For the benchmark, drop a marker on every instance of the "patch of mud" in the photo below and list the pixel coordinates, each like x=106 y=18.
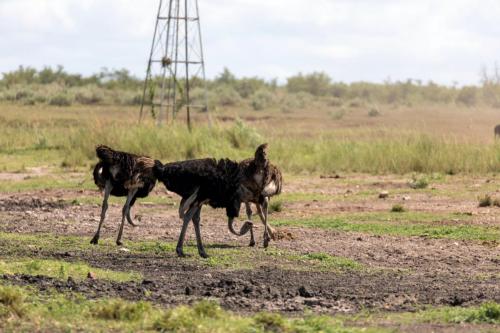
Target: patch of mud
x=169 y=282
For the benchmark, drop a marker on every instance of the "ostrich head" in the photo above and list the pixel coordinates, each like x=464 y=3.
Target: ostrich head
x=261 y=155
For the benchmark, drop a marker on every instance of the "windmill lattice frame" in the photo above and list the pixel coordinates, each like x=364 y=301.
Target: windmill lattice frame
x=176 y=60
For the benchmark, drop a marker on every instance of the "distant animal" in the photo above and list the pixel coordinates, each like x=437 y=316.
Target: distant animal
x=497 y=131
x=122 y=174
x=261 y=180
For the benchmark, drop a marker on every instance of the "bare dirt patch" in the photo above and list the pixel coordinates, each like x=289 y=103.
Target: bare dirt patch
x=400 y=273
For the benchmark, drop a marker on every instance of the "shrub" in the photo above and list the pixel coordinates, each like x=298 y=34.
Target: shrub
x=89 y=95
x=226 y=96
x=317 y=83
x=418 y=183
x=292 y=102
x=60 y=100
x=261 y=100
x=355 y=103
x=246 y=87
x=467 y=96
x=373 y=112
x=334 y=102
x=485 y=201
x=23 y=94
x=397 y=208
x=243 y=136
x=338 y=114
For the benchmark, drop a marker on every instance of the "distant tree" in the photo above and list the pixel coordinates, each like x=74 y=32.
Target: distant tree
x=226 y=77
x=317 y=83
x=467 y=96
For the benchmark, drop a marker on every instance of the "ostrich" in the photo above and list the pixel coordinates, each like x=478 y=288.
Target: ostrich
x=220 y=184
x=261 y=180
x=199 y=182
x=497 y=131
x=122 y=174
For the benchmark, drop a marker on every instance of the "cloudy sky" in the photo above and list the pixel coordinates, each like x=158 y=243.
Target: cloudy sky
x=373 y=40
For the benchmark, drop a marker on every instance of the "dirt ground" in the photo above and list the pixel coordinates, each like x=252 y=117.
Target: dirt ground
x=403 y=273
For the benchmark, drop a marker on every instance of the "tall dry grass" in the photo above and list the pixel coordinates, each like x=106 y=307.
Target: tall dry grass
x=73 y=139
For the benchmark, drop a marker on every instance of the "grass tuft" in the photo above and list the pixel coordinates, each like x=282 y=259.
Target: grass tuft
x=275 y=206
x=485 y=201
x=401 y=224
x=270 y=322
x=62 y=270
x=397 y=208
x=418 y=183
x=11 y=301
x=118 y=309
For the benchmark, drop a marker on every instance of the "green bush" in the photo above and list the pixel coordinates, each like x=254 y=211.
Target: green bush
x=467 y=96
x=60 y=100
x=291 y=102
x=334 y=102
x=397 y=208
x=241 y=135
x=246 y=87
x=316 y=84
x=89 y=95
x=226 y=96
x=374 y=112
x=261 y=99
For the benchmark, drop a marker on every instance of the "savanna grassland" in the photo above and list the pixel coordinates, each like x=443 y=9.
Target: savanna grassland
x=389 y=220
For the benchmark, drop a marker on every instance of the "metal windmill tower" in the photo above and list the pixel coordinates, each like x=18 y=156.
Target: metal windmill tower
x=175 y=63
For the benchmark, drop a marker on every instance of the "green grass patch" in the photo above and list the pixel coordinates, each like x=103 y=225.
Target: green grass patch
x=47 y=183
x=401 y=224
x=28 y=309
x=486 y=313
x=52 y=311
x=62 y=270
x=117 y=309
x=207 y=316
x=11 y=301
x=246 y=258
x=330 y=263
x=57 y=312
x=228 y=257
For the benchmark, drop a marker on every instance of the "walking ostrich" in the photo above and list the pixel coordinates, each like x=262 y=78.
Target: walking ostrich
x=221 y=184
x=261 y=180
x=122 y=174
x=497 y=131
x=199 y=182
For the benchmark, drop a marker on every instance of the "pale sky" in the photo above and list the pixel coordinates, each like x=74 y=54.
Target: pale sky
x=351 y=40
